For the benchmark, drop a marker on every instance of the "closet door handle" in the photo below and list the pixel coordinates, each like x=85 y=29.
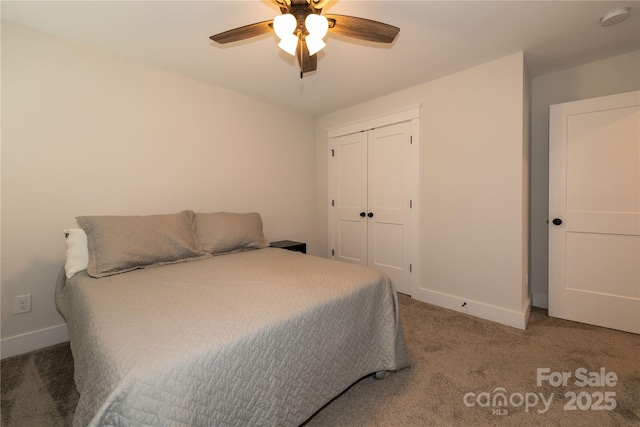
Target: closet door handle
x=362 y=214
x=370 y=214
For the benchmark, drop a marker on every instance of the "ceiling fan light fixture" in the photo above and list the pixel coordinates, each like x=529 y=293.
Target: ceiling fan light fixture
x=301 y=29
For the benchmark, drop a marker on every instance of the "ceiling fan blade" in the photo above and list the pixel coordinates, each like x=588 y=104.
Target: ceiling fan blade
x=307 y=62
x=242 y=33
x=363 y=29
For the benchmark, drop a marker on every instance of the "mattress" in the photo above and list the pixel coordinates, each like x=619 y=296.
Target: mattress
x=263 y=337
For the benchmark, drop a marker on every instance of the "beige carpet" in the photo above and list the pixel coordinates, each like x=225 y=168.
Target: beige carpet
x=460 y=364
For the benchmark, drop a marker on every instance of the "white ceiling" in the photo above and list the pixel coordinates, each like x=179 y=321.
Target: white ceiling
x=436 y=38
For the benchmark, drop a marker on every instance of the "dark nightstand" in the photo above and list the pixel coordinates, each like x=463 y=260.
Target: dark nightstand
x=290 y=245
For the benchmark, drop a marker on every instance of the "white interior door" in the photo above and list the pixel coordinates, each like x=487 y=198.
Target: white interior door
x=594 y=211
x=389 y=226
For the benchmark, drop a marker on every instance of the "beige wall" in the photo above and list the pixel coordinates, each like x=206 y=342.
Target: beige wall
x=473 y=194
x=86 y=133
x=607 y=77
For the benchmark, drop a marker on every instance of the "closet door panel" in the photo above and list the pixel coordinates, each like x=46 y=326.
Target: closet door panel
x=389 y=237
x=350 y=228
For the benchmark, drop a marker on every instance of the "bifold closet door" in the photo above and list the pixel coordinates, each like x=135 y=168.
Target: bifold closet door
x=372 y=208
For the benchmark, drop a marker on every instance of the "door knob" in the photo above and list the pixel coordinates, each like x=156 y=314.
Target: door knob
x=362 y=214
x=557 y=221
x=370 y=214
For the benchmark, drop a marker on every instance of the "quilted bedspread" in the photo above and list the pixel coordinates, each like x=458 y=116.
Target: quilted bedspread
x=264 y=337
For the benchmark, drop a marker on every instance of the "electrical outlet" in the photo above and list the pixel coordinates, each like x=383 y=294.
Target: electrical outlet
x=22 y=304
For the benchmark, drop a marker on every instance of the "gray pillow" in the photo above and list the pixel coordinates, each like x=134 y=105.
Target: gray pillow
x=122 y=243
x=223 y=232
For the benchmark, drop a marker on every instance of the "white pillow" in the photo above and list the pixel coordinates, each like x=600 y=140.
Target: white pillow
x=77 y=252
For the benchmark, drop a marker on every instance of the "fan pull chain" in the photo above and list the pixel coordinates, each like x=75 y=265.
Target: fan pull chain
x=301 y=54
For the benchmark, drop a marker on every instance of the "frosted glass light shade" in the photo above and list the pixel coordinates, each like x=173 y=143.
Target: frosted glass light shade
x=317 y=25
x=314 y=44
x=289 y=44
x=284 y=25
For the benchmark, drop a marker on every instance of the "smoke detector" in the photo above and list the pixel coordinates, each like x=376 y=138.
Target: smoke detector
x=615 y=16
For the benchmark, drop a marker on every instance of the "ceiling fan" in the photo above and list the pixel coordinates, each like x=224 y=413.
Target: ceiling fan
x=301 y=29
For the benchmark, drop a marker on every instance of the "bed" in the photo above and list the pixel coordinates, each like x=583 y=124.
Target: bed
x=251 y=335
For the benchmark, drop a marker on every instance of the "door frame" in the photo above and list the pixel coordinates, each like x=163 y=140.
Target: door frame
x=409 y=114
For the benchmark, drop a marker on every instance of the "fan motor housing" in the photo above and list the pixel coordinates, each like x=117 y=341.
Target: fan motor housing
x=300 y=12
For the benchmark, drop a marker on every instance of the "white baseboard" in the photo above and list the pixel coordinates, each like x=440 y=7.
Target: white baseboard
x=35 y=340
x=540 y=300
x=515 y=319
